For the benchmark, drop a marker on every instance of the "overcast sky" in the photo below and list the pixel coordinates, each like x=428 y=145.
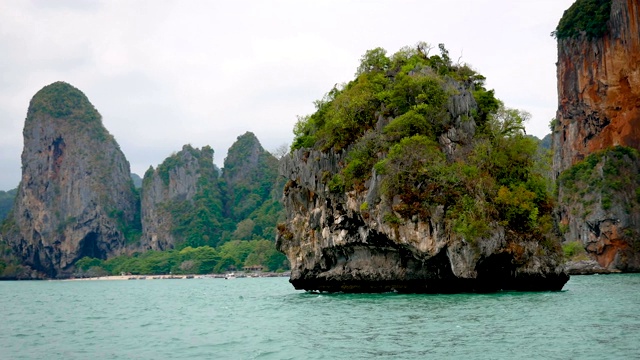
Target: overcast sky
x=167 y=73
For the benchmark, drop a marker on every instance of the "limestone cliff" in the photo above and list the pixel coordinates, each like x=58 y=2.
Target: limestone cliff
x=252 y=190
x=599 y=109
x=185 y=201
x=76 y=197
x=250 y=172
x=411 y=204
x=173 y=194
x=338 y=242
x=599 y=88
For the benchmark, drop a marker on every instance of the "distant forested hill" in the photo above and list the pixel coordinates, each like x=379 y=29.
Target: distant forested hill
x=6 y=202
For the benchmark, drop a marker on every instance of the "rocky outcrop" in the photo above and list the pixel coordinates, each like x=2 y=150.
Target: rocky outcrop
x=599 y=110
x=76 y=197
x=356 y=242
x=599 y=206
x=250 y=173
x=168 y=192
x=587 y=267
x=252 y=190
x=338 y=242
x=186 y=202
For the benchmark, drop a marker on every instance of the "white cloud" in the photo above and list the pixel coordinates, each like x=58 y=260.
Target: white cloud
x=166 y=73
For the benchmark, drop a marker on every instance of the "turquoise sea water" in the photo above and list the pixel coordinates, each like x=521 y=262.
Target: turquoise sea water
x=594 y=317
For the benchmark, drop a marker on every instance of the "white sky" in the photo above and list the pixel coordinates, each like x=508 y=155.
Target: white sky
x=166 y=73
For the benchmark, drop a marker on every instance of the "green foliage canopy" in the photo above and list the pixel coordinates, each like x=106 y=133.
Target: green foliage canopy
x=588 y=16
x=65 y=102
x=233 y=255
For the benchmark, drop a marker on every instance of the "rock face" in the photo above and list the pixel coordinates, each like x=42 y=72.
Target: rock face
x=342 y=242
x=185 y=201
x=587 y=267
x=250 y=172
x=252 y=190
x=333 y=244
x=76 y=197
x=599 y=109
x=169 y=192
x=599 y=89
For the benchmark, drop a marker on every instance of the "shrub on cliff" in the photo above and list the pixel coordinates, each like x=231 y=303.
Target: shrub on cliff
x=409 y=81
x=600 y=178
x=8 y=261
x=574 y=251
x=588 y=16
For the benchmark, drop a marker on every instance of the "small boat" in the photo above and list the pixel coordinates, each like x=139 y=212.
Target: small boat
x=230 y=276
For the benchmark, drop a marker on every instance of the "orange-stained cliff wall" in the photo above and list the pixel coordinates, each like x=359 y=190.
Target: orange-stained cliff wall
x=599 y=89
x=599 y=108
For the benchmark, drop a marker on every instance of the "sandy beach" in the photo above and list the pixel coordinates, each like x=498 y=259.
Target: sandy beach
x=173 y=277
x=147 y=277
x=134 y=277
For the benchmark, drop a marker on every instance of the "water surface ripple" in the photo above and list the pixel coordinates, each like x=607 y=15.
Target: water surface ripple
x=595 y=317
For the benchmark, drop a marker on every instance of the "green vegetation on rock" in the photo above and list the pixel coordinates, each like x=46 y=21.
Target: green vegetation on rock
x=10 y=266
x=6 y=202
x=229 y=222
x=574 y=251
x=231 y=256
x=193 y=204
x=410 y=84
x=252 y=189
x=199 y=220
x=131 y=228
x=241 y=205
x=62 y=101
x=584 y=16
x=600 y=178
x=392 y=117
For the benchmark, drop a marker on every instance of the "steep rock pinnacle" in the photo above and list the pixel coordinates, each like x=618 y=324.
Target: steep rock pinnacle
x=76 y=197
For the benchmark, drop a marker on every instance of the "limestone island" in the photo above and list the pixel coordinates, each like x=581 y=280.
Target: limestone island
x=414 y=177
